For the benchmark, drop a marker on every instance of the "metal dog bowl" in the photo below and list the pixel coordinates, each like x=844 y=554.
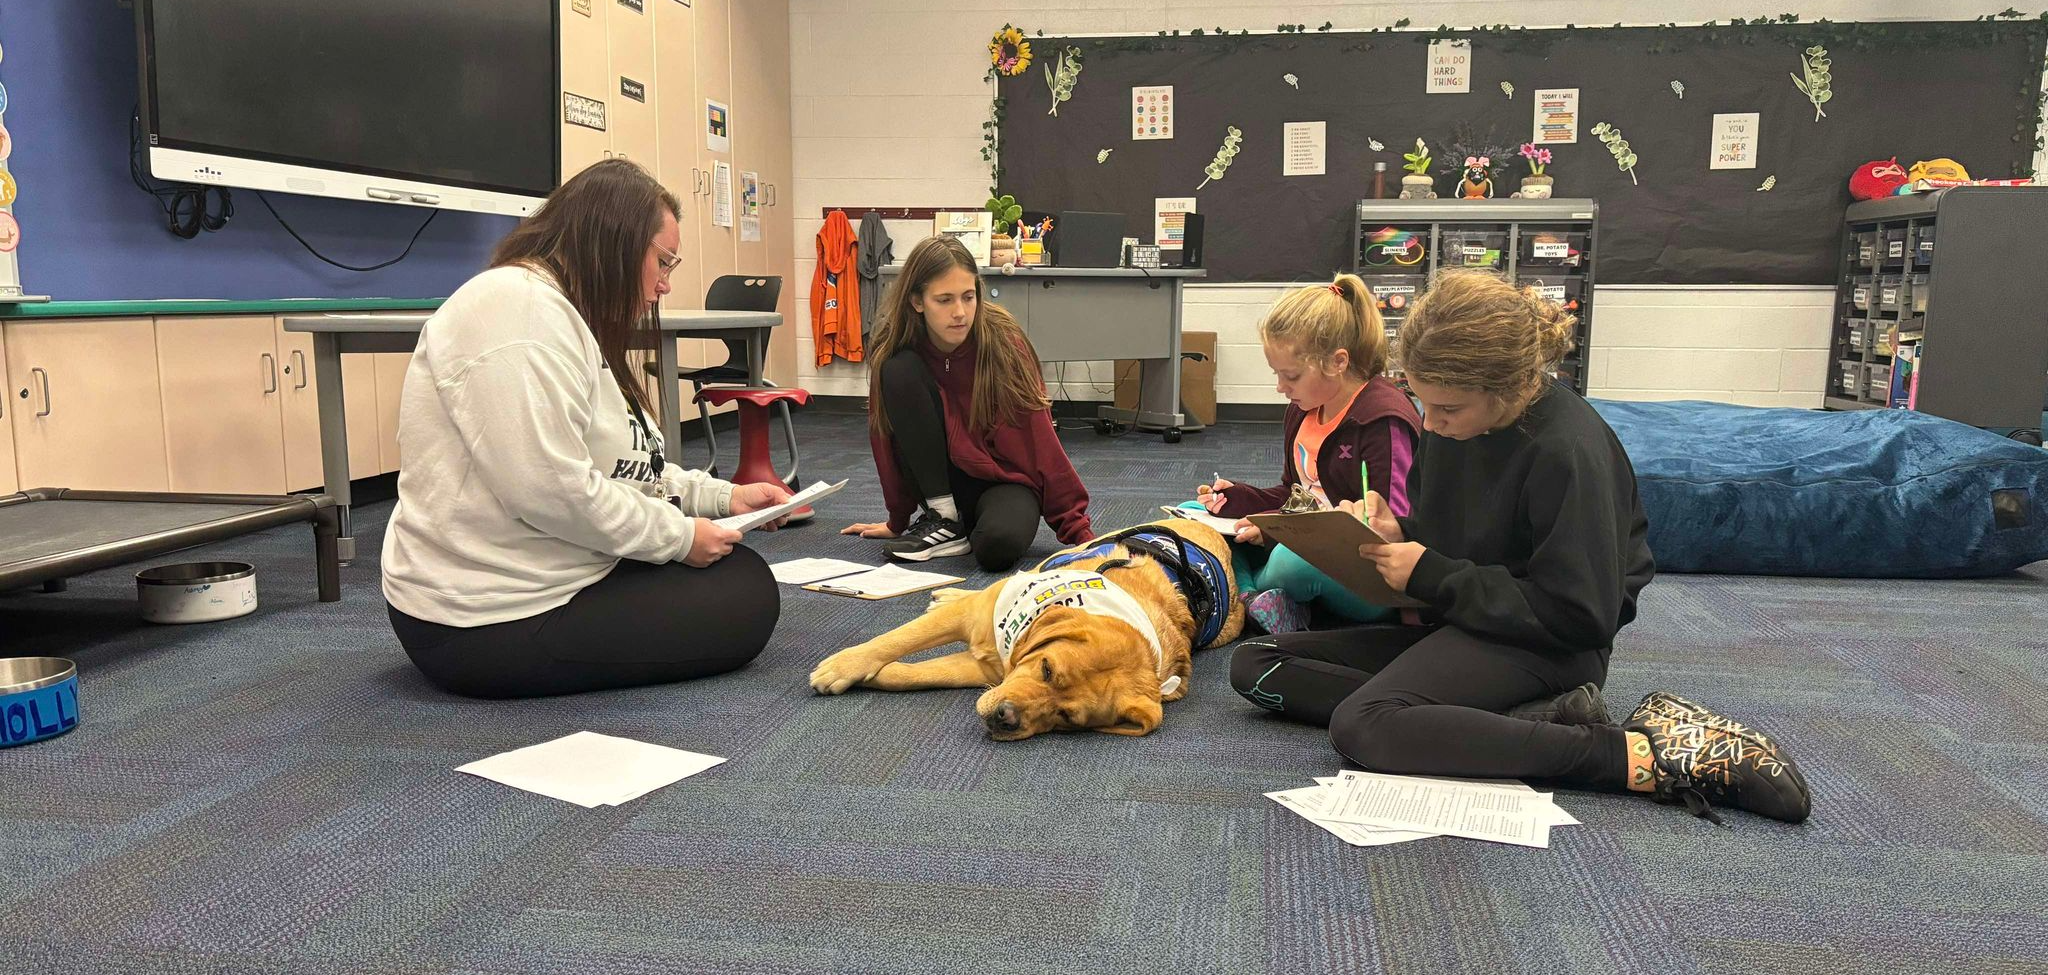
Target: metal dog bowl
x=38 y=698
x=196 y=592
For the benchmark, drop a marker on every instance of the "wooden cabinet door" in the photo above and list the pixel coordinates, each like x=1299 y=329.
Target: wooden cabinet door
x=586 y=72
x=8 y=404
x=714 y=82
x=631 y=45
x=760 y=78
x=223 y=392
x=301 y=407
x=679 y=139
x=86 y=406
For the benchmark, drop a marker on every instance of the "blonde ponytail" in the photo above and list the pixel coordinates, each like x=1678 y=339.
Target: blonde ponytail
x=1317 y=320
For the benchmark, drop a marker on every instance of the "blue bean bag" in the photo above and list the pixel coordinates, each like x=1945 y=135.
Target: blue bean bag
x=1874 y=493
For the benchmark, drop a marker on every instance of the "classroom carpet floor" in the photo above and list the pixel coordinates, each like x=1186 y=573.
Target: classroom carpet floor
x=277 y=794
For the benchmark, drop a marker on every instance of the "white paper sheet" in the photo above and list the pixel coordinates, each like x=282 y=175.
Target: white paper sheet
x=802 y=572
x=1228 y=526
x=721 y=193
x=889 y=580
x=1170 y=220
x=1152 y=112
x=1450 y=68
x=1735 y=138
x=1557 y=116
x=1307 y=803
x=590 y=769
x=755 y=519
x=1304 y=148
x=1558 y=816
x=1449 y=808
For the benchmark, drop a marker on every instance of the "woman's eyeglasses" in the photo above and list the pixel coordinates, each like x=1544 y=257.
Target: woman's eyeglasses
x=669 y=259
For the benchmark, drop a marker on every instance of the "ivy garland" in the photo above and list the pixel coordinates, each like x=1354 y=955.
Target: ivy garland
x=1784 y=30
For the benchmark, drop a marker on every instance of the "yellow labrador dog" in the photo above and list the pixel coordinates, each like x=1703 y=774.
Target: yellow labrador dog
x=1096 y=637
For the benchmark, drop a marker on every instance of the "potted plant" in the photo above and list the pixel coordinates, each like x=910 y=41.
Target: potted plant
x=1536 y=185
x=1417 y=185
x=1002 y=248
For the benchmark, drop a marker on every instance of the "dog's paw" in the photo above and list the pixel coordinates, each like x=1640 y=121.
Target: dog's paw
x=842 y=670
x=941 y=597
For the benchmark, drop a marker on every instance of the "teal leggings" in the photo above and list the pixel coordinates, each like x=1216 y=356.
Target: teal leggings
x=1259 y=568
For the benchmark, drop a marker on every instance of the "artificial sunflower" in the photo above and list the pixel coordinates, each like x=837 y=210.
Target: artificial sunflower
x=1009 y=51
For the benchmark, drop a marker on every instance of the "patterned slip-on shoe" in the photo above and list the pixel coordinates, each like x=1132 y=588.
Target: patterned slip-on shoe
x=1702 y=758
x=1277 y=612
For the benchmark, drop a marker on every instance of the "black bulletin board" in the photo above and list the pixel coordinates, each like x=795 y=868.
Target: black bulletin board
x=1969 y=91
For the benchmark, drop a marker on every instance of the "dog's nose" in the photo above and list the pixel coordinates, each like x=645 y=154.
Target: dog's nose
x=1003 y=718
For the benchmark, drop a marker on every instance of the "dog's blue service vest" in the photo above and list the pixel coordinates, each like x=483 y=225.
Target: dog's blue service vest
x=1200 y=576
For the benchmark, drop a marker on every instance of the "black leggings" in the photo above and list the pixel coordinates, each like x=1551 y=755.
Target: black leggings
x=641 y=624
x=1001 y=518
x=1426 y=700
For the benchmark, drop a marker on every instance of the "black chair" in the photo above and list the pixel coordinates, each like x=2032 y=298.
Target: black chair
x=737 y=292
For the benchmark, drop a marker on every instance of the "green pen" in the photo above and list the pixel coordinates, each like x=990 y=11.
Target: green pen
x=1364 y=488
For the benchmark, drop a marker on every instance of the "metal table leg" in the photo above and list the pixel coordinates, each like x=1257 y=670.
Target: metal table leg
x=334 y=440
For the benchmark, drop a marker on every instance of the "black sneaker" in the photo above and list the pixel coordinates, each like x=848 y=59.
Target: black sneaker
x=1703 y=757
x=1580 y=705
x=932 y=537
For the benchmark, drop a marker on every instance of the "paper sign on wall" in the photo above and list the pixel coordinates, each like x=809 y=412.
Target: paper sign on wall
x=1450 y=67
x=750 y=194
x=1735 y=141
x=1169 y=220
x=1304 y=149
x=586 y=112
x=721 y=193
x=717 y=127
x=1557 y=116
x=1152 y=112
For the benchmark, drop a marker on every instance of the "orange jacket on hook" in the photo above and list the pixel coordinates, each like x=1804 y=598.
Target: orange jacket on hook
x=835 y=293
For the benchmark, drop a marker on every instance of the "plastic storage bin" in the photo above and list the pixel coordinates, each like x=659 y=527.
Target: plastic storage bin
x=1565 y=289
x=1849 y=379
x=1918 y=288
x=1553 y=248
x=1866 y=248
x=1894 y=246
x=1891 y=293
x=1923 y=247
x=1486 y=249
x=1860 y=294
x=1396 y=293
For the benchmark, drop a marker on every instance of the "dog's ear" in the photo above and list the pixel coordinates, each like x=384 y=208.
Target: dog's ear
x=1058 y=624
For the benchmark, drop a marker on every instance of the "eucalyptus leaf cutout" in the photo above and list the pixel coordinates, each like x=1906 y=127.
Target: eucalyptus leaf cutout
x=1678 y=88
x=1292 y=81
x=1617 y=147
x=1507 y=88
x=1815 y=85
x=1062 y=82
x=1103 y=156
x=1221 y=164
x=1376 y=145
x=1770 y=183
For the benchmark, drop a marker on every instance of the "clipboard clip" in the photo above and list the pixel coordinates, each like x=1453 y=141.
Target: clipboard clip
x=839 y=590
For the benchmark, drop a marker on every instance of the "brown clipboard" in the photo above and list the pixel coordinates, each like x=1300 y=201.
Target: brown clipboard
x=1329 y=540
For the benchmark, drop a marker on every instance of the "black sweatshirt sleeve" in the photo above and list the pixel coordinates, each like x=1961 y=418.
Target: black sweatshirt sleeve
x=1572 y=594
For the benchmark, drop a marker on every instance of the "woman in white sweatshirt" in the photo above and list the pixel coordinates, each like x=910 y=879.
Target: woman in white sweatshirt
x=541 y=545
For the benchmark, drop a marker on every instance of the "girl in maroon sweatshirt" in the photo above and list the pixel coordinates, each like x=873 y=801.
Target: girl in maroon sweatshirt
x=960 y=423
x=1328 y=349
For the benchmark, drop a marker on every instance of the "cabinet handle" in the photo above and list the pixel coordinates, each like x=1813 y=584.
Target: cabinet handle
x=270 y=373
x=300 y=358
x=771 y=194
x=46 y=389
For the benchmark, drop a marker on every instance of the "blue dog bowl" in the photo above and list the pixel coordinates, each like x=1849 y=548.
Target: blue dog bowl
x=38 y=698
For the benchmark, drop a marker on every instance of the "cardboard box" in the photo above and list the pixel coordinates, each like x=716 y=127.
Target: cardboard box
x=1197 y=379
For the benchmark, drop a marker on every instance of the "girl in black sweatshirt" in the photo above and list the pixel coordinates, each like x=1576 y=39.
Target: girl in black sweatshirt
x=1527 y=546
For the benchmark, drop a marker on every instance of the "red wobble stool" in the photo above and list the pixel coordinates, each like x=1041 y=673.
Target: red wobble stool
x=756 y=466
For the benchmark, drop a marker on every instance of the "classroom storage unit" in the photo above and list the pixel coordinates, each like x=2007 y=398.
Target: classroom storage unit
x=1547 y=244
x=1958 y=329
